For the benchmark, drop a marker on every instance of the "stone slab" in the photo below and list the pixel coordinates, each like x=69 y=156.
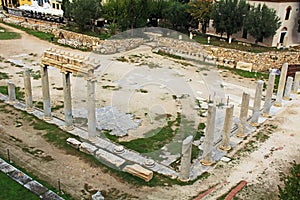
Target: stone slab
x=36 y=187
x=139 y=171
x=109 y=157
x=87 y=148
x=73 y=142
x=20 y=177
x=50 y=195
x=6 y=168
x=244 y=66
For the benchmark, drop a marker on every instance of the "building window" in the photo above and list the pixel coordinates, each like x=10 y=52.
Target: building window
x=53 y=5
x=57 y=6
x=288 y=12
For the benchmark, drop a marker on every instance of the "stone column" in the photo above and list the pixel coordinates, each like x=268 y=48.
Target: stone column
x=225 y=144
x=67 y=101
x=257 y=104
x=288 y=89
x=186 y=155
x=281 y=85
x=11 y=92
x=296 y=83
x=28 y=91
x=91 y=107
x=208 y=143
x=243 y=115
x=46 y=93
x=269 y=93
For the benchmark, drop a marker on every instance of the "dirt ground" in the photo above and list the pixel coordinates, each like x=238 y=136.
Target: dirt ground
x=261 y=164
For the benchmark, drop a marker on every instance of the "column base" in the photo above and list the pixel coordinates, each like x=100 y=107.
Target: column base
x=254 y=124
x=286 y=98
x=225 y=148
x=29 y=110
x=267 y=115
x=47 y=118
x=240 y=135
x=206 y=162
x=11 y=102
x=92 y=139
x=183 y=179
x=68 y=128
x=277 y=104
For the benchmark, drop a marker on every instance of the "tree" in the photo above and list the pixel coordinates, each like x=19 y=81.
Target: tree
x=298 y=25
x=200 y=10
x=65 y=6
x=228 y=16
x=176 y=14
x=262 y=22
x=85 y=11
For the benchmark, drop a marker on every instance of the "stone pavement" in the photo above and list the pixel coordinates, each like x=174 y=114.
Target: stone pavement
x=26 y=181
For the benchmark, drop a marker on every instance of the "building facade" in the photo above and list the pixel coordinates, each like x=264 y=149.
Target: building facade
x=287 y=35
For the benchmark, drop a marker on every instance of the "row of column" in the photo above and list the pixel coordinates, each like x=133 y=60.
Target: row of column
x=285 y=88
x=67 y=98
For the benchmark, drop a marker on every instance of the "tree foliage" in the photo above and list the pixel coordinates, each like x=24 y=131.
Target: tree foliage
x=262 y=22
x=176 y=14
x=291 y=190
x=228 y=16
x=200 y=10
x=84 y=11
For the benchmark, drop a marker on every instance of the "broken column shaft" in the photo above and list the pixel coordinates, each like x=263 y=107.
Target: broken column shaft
x=46 y=93
x=225 y=144
x=208 y=143
x=91 y=108
x=269 y=94
x=281 y=85
x=11 y=92
x=28 y=91
x=288 y=89
x=296 y=83
x=243 y=115
x=257 y=104
x=186 y=158
x=67 y=101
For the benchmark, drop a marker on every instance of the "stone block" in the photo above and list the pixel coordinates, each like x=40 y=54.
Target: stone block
x=20 y=177
x=87 y=148
x=36 y=187
x=244 y=66
x=6 y=168
x=74 y=143
x=109 y=158
x=50 y=196
x=97 y=196
x=139 y=171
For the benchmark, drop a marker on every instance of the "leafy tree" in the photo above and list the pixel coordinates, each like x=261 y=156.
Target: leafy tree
x=85 y=11
x=176 y=14
x=291 y=190
x=65 y=6
x=298 y=25
x=200 y=10
x=228 y=16
x=262 y=22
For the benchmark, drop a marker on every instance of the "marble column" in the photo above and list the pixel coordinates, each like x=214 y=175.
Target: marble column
x=257 y=104
x=11 y=92
x=186 y=155
x=67 y=101
x=281 y=85
x=243 y=115
x=208 y=143
x=46 y=93
x=91 y=106
x=296 y=83
x=28 y=91
x=225 y=144
x=269 y=94
x=288 y=89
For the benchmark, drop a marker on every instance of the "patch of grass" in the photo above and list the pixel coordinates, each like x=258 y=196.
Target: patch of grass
x=162 y=53
x=200 y=131
x=261 y=137
x=11 y=190
x=3 y=75
x=291 y=190
x=163 y=136
x=6 y=35
x=36 y=75
x=19 y=93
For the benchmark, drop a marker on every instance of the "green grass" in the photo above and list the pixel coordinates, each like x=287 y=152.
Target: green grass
x=6 y=35
x=11 y=190
x=162 y=53
x=3 y=76
x=19 y=93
